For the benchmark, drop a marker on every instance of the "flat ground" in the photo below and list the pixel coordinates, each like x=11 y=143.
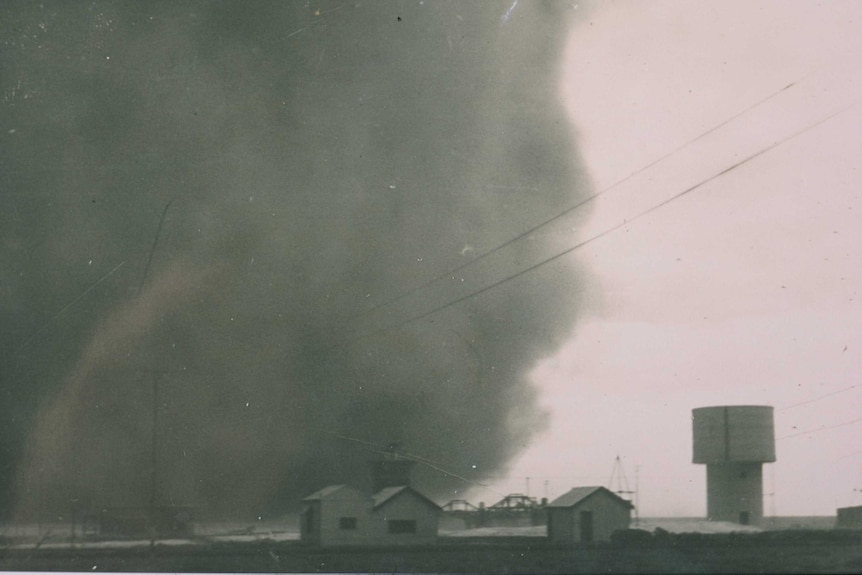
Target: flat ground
x=269 y=549
x=507 y=556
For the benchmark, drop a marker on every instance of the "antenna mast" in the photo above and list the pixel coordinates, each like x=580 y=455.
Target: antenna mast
x=618 y=474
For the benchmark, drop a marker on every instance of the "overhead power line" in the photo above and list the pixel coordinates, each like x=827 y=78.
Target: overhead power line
x=823 y=428
x=102 y=279
x=69 y=305
x=572 y=208
x=821 y=397
x=855 y=453
x=385 y=450
x=608 y=231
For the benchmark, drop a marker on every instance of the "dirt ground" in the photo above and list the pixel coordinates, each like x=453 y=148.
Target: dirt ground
x=797 y=552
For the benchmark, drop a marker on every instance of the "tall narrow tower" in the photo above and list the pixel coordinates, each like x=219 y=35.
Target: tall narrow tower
x=734 y=442
x=391 y=470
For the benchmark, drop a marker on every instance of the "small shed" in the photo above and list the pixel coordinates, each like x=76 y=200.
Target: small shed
x=335 y=515
x=587 y=514
x=402 y=515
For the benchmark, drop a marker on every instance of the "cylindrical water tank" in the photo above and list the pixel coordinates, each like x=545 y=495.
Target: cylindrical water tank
x=733 y=433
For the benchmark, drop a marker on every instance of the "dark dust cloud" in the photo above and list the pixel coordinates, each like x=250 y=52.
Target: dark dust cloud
x=316 y=160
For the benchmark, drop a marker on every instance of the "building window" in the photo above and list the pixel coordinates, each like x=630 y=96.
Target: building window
x=347 y=523
x=402 y=526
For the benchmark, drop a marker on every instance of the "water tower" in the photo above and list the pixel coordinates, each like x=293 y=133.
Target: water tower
x=734 y=442
x=391 y=470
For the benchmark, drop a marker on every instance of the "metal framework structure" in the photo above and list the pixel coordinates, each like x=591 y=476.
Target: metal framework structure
x=515 y=501
x=459 y=505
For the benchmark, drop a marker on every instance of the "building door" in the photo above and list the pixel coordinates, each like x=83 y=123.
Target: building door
x=308 y=520
x=586 y=526
x=743 y=517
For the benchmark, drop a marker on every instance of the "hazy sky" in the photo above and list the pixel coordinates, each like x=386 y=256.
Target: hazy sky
x=743 y=291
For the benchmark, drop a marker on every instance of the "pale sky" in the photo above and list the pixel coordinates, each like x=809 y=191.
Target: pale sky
x=743 y=291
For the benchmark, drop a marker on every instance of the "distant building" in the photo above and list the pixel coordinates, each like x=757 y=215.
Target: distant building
x=587 y=514
x=849 y=518
x=459 y=514
x=514 y=510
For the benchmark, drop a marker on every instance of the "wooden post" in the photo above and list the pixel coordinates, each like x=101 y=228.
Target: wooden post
x=154 y=460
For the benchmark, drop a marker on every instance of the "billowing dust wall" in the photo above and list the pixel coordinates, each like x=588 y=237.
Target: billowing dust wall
x=734 y=442
x=220 y=198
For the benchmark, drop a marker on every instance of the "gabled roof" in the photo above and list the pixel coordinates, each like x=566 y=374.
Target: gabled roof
x=579 y=494
x=387 y=494
x=324 y=493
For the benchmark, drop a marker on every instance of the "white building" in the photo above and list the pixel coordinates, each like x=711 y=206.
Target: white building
x=341 y=515
x=587 y=514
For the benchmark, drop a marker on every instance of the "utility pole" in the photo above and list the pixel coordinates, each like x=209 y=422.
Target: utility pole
x=157 y=375
x=637 y=495
x=41 y=500
x=155 y=460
